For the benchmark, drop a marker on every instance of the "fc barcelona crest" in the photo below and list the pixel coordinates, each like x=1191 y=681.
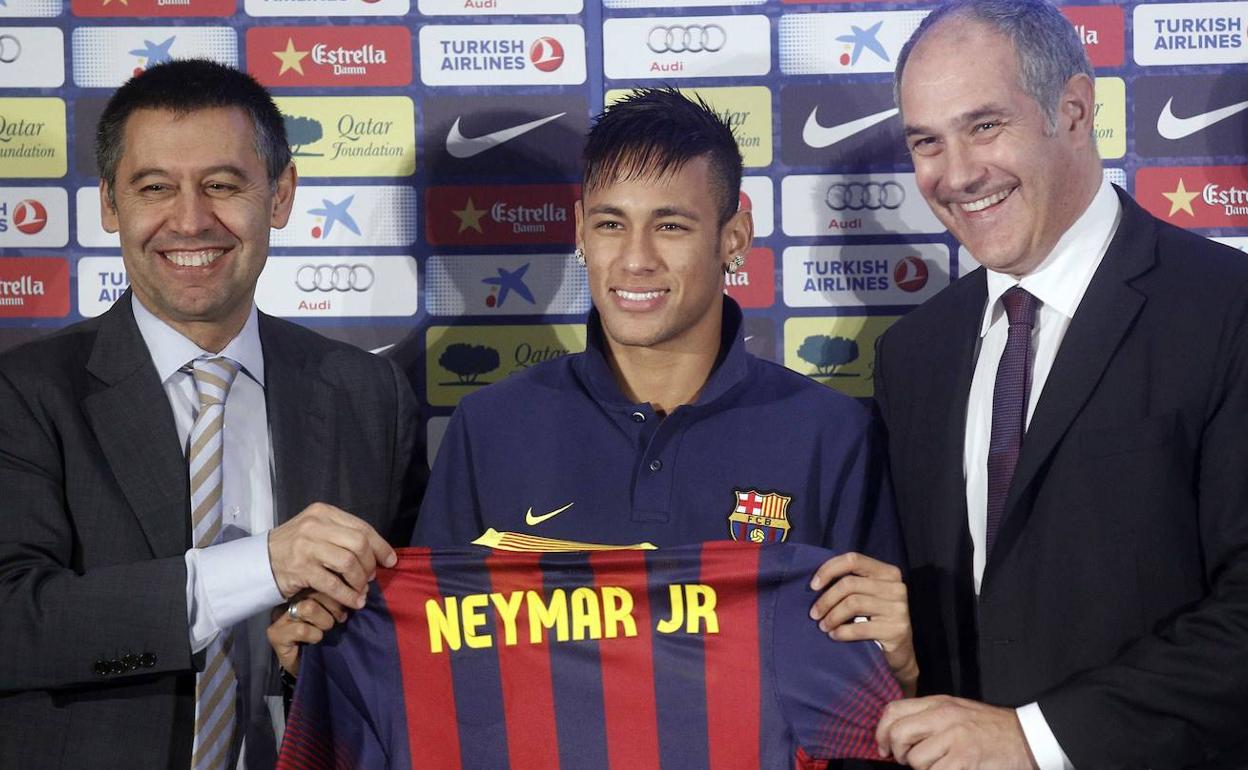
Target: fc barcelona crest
x=760 y=517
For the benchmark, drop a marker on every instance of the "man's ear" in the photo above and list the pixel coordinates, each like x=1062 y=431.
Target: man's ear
x=284 y=197
x=1076 y=109
x=108 y=209
x=736 y=236
x=578 y=211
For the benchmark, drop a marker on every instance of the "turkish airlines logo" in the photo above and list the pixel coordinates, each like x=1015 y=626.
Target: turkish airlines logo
x=34 y=217
x=29 y=217
x=303 y=57
x=546 y=54
x=691 y=38
x=910 y=275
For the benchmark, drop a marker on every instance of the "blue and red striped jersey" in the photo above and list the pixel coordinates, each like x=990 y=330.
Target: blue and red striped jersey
x=700 y=656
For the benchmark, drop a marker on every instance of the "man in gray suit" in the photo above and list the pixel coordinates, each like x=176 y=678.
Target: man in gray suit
x=172 y=470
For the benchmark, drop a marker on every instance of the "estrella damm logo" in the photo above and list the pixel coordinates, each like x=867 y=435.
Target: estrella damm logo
x=746 y=109
x=461 y=359
x=838 y=351
x=1110 y=120
x=351 y=136
x=32 y=138
x=759 y=517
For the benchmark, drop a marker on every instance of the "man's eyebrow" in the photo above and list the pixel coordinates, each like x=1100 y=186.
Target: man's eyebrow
x=966 y=118
x=224 y=168
x=662 y=211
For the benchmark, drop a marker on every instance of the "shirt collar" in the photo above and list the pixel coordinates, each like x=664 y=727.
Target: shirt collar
x=730 y=368
x=1061 y=279
x=171 y=351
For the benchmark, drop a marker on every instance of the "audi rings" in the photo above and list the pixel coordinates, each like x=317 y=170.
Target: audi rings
x=856 y=196
x=334 y=278
x=10 y=49
x=686 y=38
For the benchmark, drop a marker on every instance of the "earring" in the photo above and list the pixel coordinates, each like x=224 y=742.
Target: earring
x=738 y=261
x=579 y=256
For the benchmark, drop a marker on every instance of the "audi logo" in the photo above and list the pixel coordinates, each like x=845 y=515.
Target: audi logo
x=856 y=196
x=688 y=38
x=10 y=49
x=334 y=278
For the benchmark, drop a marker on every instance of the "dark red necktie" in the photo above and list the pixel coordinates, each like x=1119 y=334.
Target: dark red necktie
x=1009 y=404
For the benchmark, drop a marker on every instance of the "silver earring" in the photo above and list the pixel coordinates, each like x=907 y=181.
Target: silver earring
x=579 y=256
x=738 y=261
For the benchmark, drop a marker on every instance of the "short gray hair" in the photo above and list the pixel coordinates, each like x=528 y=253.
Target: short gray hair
x=1048 y=48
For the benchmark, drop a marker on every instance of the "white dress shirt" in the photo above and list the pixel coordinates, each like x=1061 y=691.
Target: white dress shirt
x=228 y=583
x=1059 y=283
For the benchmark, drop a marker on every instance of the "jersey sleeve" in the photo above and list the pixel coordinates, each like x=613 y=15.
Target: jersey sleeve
x=831 y=693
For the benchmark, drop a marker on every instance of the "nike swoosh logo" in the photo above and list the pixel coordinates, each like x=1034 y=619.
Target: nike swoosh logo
x=533 y=521
x=818 y=136
x=1171 y=127
x=460 y=146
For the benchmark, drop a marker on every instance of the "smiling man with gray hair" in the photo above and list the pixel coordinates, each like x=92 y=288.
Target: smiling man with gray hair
x=1066 y=431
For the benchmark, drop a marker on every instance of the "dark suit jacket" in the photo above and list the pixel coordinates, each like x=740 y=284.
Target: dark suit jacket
x=1117 y=593
x=94 y=522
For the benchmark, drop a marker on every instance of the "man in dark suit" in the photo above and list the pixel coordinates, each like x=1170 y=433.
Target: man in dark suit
x=173 y=469
x=1066 y=431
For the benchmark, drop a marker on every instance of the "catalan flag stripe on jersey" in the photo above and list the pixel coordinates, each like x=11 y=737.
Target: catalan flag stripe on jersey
x=692 y=657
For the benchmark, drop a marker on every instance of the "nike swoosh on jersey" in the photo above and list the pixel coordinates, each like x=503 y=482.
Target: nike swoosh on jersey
x=460 y=146
x=1173 y=127
x=818 y=136
x=533 y=521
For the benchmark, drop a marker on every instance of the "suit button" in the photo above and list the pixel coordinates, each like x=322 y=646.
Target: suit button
x=638 y=417
x=656 y=465
x=101 y=668
x=148 y=660
x=130 y=661
x=117 y=667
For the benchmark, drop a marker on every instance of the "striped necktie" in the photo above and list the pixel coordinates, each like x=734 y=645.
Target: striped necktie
x=217 y=686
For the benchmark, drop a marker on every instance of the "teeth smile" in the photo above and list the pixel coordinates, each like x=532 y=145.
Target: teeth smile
x=984 y=203
x=193 y=258
x=638 y=296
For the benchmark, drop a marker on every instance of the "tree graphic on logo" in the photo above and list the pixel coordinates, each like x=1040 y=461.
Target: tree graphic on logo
x=301 y=131
x=828 y=353
x=468 y=362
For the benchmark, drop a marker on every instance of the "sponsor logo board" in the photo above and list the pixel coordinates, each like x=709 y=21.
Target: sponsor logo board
x=1189 y=33
x=350 y=216
x=845 y=42
x=841 y=126
x=863 y=276
x=1190 y=115
x=106 y=57
x=838 y=351
x=496 y=284
x=32 y=57
x=462 y=359
x=501 y=215
x=34 y=287
x=151 y=9
x=496 y=7
x=32 y=138
x=758 y=198
x=746 y=109
x=91 y=231
x=686 y=47
x=1102 y=28
x=855 y=204
x=754 y=285
x=338 y=286
x=327 y=7
x=101 y=282
x=350 y=136
x=540 y=135
x=34 y=217
x=760 y=337
x=502 y=54
x=1195 y=196
x=348 y=56
x=1110 y=120
x=33 y=9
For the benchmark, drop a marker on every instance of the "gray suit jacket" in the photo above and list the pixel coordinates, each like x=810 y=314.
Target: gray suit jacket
x=95 y=664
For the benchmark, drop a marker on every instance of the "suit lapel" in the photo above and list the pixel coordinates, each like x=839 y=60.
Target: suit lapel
x=299 y=405
x=134 y=424
x=1105 y=314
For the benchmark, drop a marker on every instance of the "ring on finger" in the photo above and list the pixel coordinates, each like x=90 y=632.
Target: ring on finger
x=292 y=611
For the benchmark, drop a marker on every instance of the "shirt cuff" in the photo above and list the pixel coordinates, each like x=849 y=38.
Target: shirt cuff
x=1040 y=739
x=226 y=584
